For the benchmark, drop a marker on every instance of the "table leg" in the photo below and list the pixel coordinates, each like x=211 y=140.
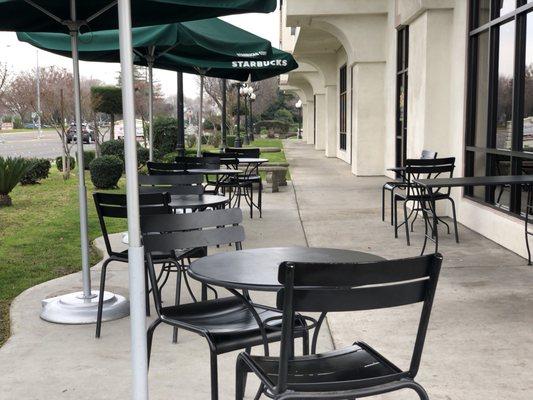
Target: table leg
x=529 y=208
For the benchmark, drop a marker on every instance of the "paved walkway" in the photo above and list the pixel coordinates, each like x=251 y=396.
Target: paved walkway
x=480 y=343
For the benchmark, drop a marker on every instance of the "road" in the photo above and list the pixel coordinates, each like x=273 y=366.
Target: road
x=26 y=144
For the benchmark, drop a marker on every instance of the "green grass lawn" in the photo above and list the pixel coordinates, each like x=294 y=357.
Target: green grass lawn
x=40 y=237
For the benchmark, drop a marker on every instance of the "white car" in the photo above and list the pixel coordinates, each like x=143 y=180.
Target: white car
x=139 y=131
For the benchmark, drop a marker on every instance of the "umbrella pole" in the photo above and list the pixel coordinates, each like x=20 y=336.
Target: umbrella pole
x=139 y=357
x=180 y=115
x=81 y=307
x=224 y=111
x=200 y=119
x=151 y=110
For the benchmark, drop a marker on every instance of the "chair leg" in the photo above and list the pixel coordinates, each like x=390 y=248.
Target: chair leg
x=260 y=199
x=150 y=336
x=383 y=203
x=395 y=208
x=240 y=382
x=406 y=223
x=177 y=302
x=252 y=201
x=454 y=220
x=101 y=298
x=214 y=376
x=147 y=292
x=420 y=391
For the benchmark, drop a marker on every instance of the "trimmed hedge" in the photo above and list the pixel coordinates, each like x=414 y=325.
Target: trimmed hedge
x=59 y=163
x=165 y=134
x=39 y=169
x=116 y=148
x=106 y=172
x=278 y=127
x=230 y=140
x=88 y=157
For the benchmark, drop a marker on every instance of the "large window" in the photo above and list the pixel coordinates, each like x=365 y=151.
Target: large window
x=342 y=106
x=402 y=64
x=499 y=132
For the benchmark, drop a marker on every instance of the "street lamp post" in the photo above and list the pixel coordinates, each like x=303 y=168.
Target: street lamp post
x=252 y=99
x=244 y=93
x=298 y=105
x=238 y=142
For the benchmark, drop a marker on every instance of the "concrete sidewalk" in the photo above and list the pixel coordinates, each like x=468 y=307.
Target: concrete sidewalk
x=479 y=346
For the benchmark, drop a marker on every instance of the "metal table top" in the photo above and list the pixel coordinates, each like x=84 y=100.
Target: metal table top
x=257 y=269
x=183 y=201
x=476 y=181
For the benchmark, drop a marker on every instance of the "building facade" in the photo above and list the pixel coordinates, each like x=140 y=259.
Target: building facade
x=382 y=80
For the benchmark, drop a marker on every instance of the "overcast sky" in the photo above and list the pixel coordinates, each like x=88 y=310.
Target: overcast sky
x=22 y=56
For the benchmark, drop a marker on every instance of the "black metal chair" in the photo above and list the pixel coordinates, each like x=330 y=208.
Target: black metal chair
x=430 y=169
x=159 y=168
x=399 y=184
x=353 y=372
x=110 y=205
x=228 y=324
x=172 y=184
x=249 y=178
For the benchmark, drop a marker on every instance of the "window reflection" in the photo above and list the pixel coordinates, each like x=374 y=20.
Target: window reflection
x=505 y=86
x=505 y=6
x=483 y=12
x=482 y=89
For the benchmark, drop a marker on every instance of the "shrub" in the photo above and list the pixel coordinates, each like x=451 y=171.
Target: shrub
x=208 y=125
x=275 y=126
x=230 y=141
x=165 y=134
x=59 y=163
x=113 y=148
x=11 y=171
x=284 y=115
x=264 y=132
x=17 y=123
x=214 y=140
x=190 y=141
x=39 y=168
x=106 y=172
x=116 y=148
x=88 y=157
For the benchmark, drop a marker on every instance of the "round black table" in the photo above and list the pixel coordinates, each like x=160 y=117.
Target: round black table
x=195 y=202
x=257 y=269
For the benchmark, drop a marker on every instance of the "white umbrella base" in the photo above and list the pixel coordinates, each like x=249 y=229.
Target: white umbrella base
x=72 y=308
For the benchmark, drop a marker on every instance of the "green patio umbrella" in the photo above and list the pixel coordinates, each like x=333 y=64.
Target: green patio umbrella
x=238 y=69
x=70 y=16
x=205 y=40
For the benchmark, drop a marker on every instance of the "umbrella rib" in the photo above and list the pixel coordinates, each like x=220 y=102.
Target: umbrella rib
x=103 y=10
x=45 y=11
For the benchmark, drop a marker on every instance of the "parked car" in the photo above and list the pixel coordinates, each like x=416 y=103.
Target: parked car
x=139 y=130
x=86 y=131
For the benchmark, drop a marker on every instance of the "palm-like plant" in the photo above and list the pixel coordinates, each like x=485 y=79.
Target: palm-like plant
x=11 y=171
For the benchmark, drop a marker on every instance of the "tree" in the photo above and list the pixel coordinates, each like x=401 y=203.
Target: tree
x=19 y=94
x=107 y=100
x=57 y=106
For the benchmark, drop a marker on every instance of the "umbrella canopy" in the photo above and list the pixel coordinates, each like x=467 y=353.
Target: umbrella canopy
x=212 y=38
x=22 y=15
x=237 y=69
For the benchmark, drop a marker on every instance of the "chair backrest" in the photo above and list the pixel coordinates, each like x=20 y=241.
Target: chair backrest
x=112 y=205
x=322 y=287
x=190 y=162
x=166 y=233
x=158 y=168
x=250 y=152
x=427 y=169
x=172 y=184
x=428 y=155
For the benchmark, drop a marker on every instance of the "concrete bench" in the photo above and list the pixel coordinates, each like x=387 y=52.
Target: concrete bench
x=276 y=176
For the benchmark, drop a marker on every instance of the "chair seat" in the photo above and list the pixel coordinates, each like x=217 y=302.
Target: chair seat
x=426 y=197
x=394 y=185
x=253 y=178
x=344 y=369
x=228 y=321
